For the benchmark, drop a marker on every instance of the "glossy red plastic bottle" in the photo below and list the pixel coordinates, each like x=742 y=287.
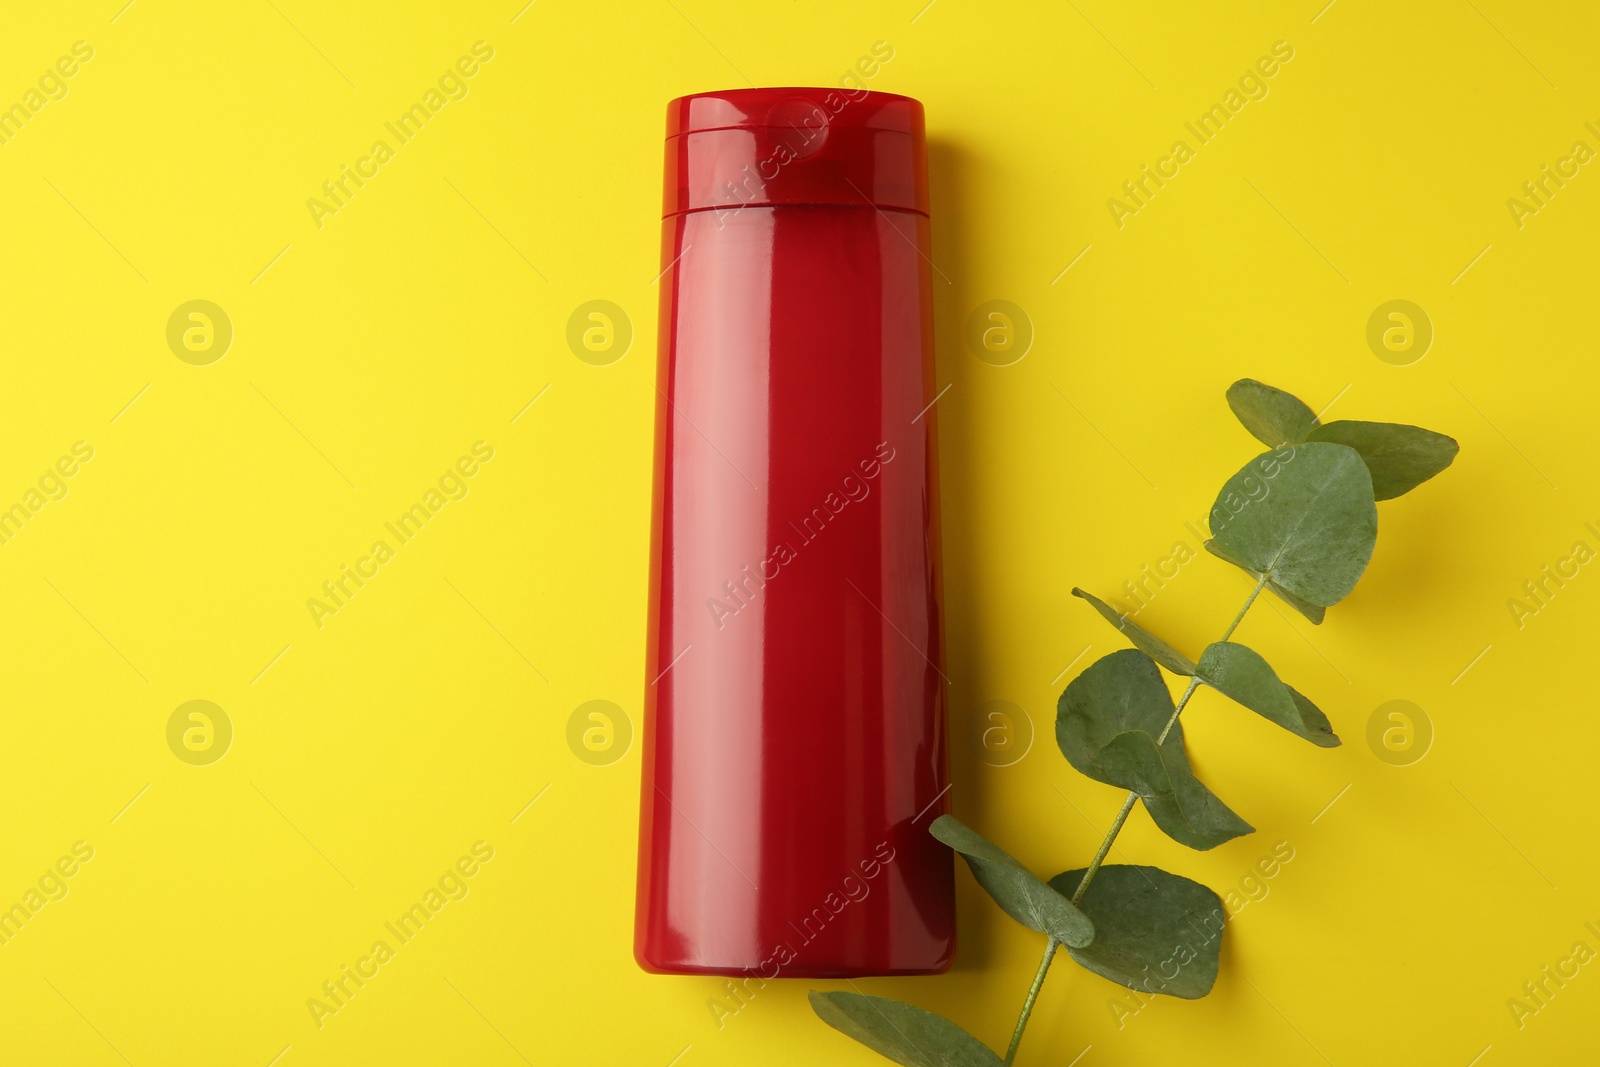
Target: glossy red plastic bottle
x=794 y=737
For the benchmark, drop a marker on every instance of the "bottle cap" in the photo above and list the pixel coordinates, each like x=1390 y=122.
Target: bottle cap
x=763 y=147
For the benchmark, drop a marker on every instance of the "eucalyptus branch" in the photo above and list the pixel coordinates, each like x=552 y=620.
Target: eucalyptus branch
x=1127 y=805
x=1301 y=519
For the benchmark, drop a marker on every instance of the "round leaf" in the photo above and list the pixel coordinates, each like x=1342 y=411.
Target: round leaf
x=1154 y=931
x=1241 y=673
x=1142 y=639
x=1275 y=417
x=1400 y=457
x=1019 y=892
x=903 y=1032
x=1107 y=723
x=1303 y=516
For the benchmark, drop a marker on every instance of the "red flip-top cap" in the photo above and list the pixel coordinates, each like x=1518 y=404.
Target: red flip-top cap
x=750 y=147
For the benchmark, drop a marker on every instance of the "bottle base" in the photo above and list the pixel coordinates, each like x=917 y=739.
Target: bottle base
x=770 y=968
x=796 y=970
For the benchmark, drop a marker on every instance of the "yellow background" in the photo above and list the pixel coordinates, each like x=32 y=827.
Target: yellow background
x=370 y=353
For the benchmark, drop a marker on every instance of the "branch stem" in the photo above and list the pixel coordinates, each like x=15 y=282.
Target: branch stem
x=1033 y=995
x=1105 y=847
x=1251 y=599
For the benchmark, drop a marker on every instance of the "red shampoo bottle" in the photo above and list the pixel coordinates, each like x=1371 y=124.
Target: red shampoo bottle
x=794 y=738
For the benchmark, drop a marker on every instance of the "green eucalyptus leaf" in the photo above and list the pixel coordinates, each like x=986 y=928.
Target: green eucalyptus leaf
x=1241 y=673
x=1116 y=693
x=1154 y=931
x=1275 y=417
x=1311 y=611
x=1304 y=516
x=1400 y=457
x=1180 y=804
x=1019 y=892
x=1142 y=639
x=902 y=1032
x=1107 y=723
